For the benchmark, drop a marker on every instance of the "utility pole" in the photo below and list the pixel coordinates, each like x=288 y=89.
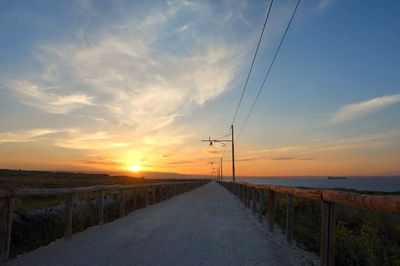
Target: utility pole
x=221 y=170
x=233 y=156
x=233 y=150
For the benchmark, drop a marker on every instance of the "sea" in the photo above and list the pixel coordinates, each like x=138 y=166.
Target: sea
x=376 y=183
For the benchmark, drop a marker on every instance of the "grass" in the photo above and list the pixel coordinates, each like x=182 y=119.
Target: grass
x=38 y=221
x=362 y=237
x=10 y=179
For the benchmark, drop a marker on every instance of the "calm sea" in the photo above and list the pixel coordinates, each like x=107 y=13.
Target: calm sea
x=386 y=184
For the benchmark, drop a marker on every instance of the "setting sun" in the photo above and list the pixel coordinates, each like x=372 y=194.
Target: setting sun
x=135 y=168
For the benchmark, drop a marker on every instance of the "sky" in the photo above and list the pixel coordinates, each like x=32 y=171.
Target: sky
x=136 y=85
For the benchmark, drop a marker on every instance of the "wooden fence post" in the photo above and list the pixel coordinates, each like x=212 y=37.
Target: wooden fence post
x=135 y=198
x=7 y=210
x=162 y=192
x=166 y=191
x=69 y=205
x=153 y=192
x=101 y=207
x=247 y=197
x=254 y=203
x=289 y=219
x=243 y=189
x=121 y=203
x=327 y=256
x=146 y=190
x=271 y=210
x=261 y=207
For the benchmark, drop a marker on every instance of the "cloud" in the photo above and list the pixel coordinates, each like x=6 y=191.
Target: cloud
x=184 y=27
x=323 y=4
x=25 y=135
x=49 y=99
x=180 y=162
x=78 y=140
x=257 y=158
x=66 y=138
x=282 y=158
x=123 y=74
x=104 y=162
x=327 y=146
x=248 y=159
x=362 y=109
x=212 y=151
x=292 y=158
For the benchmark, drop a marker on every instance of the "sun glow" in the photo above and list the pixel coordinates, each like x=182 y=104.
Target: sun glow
x=135 y=168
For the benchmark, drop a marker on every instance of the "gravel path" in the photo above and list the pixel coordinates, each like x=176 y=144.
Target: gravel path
x=206 y=226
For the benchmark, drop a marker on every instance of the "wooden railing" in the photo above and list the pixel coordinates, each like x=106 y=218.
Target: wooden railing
x=7 y=202
x=248 y=194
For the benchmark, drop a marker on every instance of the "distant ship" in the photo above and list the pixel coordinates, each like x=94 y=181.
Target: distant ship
x=337 y=177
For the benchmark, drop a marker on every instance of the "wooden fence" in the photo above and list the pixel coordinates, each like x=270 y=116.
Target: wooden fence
x=248 y=194
x=7 y=202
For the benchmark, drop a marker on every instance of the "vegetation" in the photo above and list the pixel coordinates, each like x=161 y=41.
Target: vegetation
x=38 y=221
x=362 y=237
x=12 y=179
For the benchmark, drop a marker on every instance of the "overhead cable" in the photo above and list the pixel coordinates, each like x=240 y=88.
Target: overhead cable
x=252 y=63
x=269 y=70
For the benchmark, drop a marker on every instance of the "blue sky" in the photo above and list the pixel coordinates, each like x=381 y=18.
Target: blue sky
x=94 y=85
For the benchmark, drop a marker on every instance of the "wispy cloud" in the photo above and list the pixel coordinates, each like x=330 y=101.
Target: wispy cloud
x=25 y=135
x=323 y=4
x=89 y=141
x=265 y=157
x=180 y=162
x=282 y=158
x=49 y=99
x=100 y=161
x=292 y=158
x=362 y=109
x=66 y=138
x=307 y=159
x=323 y=147
x=125 y=75
x=212 y=152
x=184 y=27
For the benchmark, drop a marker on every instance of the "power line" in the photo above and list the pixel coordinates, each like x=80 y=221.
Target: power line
x=252 y=63
x=223 y=152
x=269 y=70
x=227 y=135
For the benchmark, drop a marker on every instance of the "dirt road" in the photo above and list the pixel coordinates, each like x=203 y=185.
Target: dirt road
x=206 y=226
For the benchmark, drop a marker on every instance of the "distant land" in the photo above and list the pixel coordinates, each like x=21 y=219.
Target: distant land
x=10 y=179
x=141 y=174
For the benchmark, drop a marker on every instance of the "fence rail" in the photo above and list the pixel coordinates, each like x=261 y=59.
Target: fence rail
x=329 y=198
x=7 y=202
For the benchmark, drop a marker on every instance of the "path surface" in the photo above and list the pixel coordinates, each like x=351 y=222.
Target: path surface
x=206 y=226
